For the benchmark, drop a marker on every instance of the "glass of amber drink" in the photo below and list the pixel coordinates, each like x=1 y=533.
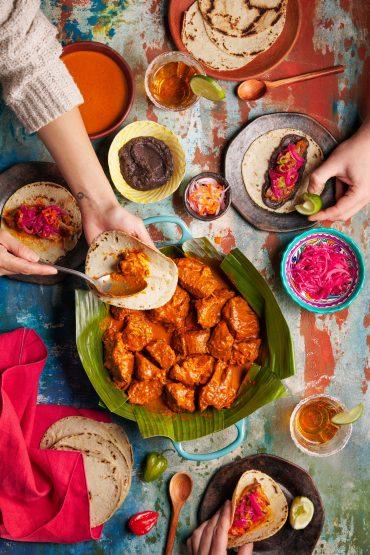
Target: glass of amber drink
x=311 y=427
x=167 y=81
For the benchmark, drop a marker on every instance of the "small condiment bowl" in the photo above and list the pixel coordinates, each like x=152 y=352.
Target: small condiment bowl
x=344 y=244
x=126 y=70
x=227 y=200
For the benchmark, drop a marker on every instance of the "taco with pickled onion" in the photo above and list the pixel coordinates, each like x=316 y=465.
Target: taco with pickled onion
x=45 y=217
x=259 y=509
x=276 y=168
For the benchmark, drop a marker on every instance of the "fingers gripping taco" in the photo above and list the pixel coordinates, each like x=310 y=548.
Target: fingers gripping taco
x=259 y=509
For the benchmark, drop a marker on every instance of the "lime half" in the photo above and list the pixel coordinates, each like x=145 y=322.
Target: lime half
x=301 y=512
x=348 y=417
x=311 y=204
x=205 y=86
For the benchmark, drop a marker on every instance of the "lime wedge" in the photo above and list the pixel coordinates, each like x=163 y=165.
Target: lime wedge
x=311 y=204
x=205 y=86
x=348 y=417
x=301 y=512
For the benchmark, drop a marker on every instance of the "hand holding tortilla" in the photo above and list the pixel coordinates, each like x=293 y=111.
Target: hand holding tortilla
x=16 y=258
x=211 y=537
x=126 y=259
x=350 y=165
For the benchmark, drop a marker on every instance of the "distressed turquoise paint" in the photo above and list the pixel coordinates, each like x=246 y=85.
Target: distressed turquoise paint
x=135 y=29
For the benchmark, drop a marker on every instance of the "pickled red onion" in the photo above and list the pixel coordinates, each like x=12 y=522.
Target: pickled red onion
x=322 y=271
x=294 y=153
x=256 y=511
x=40 y=220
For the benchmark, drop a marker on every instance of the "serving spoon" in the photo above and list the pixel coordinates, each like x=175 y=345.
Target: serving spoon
x=253 y=89
x=181 y=486
x=105 y=285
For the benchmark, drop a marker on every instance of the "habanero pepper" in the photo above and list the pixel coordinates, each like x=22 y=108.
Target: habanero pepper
x=155 y=465
x=141 y=523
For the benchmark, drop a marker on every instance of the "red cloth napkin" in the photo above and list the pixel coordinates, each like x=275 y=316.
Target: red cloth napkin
x=43 y=493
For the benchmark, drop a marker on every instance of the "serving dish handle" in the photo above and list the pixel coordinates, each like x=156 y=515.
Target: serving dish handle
x=240 y=427
x=186 y=235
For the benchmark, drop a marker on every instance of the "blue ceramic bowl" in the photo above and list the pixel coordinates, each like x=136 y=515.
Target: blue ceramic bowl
x=344 y=244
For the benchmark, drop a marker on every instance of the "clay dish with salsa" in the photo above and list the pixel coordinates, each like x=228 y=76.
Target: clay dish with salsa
x=106 y=82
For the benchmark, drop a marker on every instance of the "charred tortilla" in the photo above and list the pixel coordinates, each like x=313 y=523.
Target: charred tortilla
x=45 y=193
x=290 y=139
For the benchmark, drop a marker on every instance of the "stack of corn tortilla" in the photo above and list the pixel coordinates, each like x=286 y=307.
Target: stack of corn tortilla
x=228 y=34
x=107 y=456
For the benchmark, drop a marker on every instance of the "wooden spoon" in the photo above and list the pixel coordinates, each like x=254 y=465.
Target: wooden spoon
x=253 y=89
x=181 y=486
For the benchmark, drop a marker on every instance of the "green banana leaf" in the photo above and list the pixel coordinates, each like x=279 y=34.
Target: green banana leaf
x=264 y=382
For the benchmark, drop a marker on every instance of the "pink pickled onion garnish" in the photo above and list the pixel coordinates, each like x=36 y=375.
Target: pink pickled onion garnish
x=285 y=175
x=40 y=220
x=294 y=153
x=322 y=271
x=256 y=511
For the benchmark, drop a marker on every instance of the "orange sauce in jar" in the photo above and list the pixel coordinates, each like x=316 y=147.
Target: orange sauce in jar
x=103 y=86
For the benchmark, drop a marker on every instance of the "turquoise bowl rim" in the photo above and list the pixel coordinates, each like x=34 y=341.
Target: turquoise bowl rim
x=361 y=265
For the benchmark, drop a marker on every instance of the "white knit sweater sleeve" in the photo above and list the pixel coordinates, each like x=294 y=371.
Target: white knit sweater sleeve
x=36 y=84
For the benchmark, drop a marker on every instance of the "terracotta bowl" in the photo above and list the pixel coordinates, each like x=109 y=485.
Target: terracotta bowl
x=121 y=62
x=263 y=62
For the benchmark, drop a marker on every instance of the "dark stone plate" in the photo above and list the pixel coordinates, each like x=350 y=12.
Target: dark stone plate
x=254 y=214
x=293 y=480
x=22 y=174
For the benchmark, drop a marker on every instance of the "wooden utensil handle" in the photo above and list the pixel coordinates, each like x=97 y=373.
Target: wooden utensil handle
x=172 y=531
x=306 y=76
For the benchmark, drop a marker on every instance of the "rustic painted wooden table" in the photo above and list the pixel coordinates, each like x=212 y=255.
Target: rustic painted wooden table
x=330 y=350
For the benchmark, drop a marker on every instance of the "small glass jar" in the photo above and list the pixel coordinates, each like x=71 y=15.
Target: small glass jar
x=331 y=447
x=171 y=84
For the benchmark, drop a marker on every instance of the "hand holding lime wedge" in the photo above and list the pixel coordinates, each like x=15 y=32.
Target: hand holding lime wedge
x=301 y=513
x=311 y=204
x=348 y=417
x=207 y=87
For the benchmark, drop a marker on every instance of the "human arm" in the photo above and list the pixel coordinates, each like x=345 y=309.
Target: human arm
x=40 y=90
x=210 y=538
x=349 y=163
x=70 y=146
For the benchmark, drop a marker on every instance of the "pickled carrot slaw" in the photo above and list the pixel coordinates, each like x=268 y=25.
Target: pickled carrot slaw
x=285 y=175
x=206 y=196
x=47 y=222
x=322 y=271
